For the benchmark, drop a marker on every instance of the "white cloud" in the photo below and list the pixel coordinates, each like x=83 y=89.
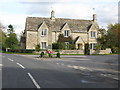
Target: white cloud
x=18 y=21
x=107 y=11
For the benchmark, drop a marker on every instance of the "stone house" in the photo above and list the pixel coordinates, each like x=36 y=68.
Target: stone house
x=45 y=31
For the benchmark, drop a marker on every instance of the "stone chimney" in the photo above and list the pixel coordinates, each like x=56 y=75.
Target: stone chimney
x=52 y=15
x=94 y=17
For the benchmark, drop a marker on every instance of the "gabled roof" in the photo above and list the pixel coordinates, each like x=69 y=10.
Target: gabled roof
x=75 y=25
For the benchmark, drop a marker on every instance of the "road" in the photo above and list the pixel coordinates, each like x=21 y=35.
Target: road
x=29 y=71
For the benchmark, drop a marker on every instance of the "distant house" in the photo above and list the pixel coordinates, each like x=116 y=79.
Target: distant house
x=45 y=31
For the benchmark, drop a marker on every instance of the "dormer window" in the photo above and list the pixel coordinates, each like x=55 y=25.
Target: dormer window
x=43 y=33
x=93 y=34
x=66 y=33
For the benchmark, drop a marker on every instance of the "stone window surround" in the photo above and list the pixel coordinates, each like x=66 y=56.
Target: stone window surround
x=43 y=44
x=93 y=34
x=92 y=46
x=43 y=32
x=66 y=33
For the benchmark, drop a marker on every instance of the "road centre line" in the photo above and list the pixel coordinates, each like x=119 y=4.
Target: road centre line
x=20 y=65
x=10 y=59
x=33 y=80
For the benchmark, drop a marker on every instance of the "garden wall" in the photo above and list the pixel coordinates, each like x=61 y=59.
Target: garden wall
x=107 y=51
x=72 y=52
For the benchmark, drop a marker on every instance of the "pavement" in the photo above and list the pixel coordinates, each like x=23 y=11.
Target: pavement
x=29 y=71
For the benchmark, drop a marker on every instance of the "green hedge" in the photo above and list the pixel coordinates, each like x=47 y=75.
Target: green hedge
x=21 y=50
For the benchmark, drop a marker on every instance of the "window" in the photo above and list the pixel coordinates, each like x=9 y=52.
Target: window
x=93 y=34
x=43 y=33
x=93 y=46
x=66 y=45
x=43 y=45
x=66 y=33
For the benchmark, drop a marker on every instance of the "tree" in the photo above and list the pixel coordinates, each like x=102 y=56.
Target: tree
x=2 y=37
x=10 y=29
x=61 y=42
x=102 y=41
x=113 y=37
x=11 y=40
x=58 y=45
x=87 y=49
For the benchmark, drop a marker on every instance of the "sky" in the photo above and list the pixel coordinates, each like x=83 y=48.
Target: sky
x=14 y=12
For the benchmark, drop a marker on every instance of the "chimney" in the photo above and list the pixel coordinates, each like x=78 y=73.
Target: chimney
x=94 y=17
x=52 y=15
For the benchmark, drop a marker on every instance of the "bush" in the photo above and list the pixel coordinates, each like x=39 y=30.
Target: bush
x=87 y=50
x=71 y=46
x=50 y=55
x=37 y=48
x=115 y=50
x=21 y=50
x=58 y=45
x=58 y=55
x=42 y=54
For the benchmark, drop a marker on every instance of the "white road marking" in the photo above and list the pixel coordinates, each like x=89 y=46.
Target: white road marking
x=116 y=78
x=75 y=67
x=85 y=81
x=1 y=65
x=10 y=59
x=33 y=80
x=20 y=65
x=62 y=63
x=57 y=63
x=69 y=66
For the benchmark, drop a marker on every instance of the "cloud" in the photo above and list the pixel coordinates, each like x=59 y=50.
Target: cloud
x=106 y=10
x=18 y=21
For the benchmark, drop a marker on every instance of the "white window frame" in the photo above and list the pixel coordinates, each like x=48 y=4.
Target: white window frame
x=66 y=33
x=43 y=32
x=43 y=44
x=93 y=34
x=66 y=45
x=93 y=46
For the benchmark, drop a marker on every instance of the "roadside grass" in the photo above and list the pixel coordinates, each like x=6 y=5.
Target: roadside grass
x=55 y=54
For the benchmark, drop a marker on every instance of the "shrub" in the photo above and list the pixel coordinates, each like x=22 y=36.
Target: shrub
x=98 y=47
x=71 y=46
x=87 y=50
x=115 y=50
x=42 y=54
x=50 y=55
x=58 y=55
x=21 y=50
x=37 y=48
x=58 y=45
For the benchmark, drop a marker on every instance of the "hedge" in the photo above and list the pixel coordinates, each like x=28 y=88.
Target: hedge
x=21 y=50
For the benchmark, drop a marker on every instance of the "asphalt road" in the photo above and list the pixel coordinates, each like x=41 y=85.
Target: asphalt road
x=29 y=71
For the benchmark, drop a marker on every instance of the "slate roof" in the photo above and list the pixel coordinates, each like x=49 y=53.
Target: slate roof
x=75 y=25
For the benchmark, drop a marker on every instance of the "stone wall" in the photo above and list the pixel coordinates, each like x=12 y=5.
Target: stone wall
x=31 y=40
x=107 y=51
x=72 y=52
